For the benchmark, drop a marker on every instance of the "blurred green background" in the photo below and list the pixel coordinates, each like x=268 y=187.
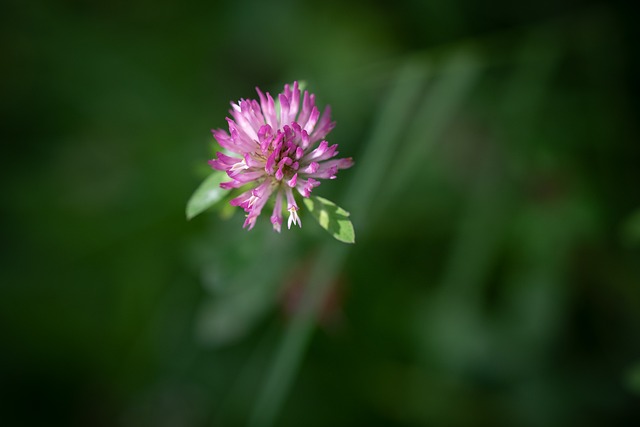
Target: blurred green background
x=496 y=271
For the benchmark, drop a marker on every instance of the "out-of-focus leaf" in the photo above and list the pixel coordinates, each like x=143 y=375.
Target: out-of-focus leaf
x=208 y=194
x=242 y=289
x=633 y=378
x=631 y=229
x=332 y=218
x=229 y=318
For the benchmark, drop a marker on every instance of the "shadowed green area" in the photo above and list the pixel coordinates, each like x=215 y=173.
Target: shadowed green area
x=495 y=279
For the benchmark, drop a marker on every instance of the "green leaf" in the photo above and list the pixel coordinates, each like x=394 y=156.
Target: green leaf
x=208 y=194
x=332 y=218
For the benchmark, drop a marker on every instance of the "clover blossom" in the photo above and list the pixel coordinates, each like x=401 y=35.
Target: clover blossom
x=278 y=147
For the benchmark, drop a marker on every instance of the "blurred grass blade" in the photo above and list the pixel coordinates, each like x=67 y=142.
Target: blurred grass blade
x=332 y=218
x=208 y=194
x=440 y=104
x=297 y=335
x=391 y=124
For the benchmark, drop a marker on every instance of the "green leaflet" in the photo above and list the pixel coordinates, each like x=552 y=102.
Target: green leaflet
x=208 y=194
x=332 y=218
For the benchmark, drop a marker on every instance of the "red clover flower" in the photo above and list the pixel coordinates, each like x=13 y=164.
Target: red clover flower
x=277 y=147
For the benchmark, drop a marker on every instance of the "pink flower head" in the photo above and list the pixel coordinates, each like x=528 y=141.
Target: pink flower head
x=278 y=149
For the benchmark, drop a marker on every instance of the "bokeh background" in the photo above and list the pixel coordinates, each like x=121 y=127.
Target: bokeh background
x=496 y=271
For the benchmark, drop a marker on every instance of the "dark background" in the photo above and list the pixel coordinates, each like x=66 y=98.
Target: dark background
x=496 y=271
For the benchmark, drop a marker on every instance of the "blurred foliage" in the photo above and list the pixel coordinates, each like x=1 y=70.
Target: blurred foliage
x=495 y=279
